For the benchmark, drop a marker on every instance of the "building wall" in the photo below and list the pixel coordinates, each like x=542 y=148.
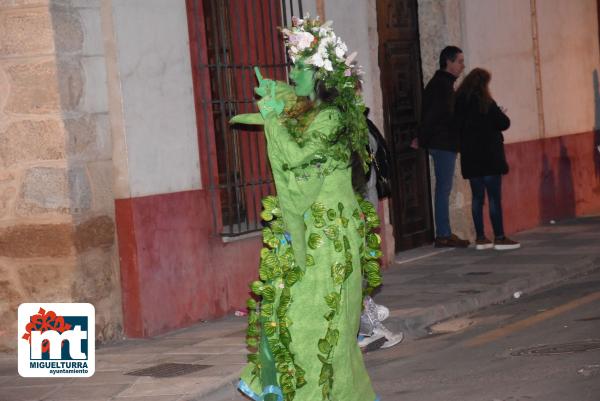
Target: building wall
x=544 y=60
x=57 y=239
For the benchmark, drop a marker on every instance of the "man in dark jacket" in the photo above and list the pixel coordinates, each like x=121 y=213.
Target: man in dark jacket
x=438 y=135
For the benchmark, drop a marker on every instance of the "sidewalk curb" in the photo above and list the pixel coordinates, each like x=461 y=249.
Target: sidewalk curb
x=416 y=325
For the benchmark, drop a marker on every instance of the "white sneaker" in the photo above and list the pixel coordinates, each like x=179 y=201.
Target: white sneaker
x=371 y=343
x=381 y=338
x=382 y=312
x=391 y=338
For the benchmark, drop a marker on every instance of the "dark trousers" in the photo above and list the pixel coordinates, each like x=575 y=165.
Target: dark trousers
x=492 y=184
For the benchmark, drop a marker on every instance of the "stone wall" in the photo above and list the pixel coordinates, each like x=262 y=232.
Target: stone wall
x=57 y=237
x=440 y=26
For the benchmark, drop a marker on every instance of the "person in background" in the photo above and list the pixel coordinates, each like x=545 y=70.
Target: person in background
x=438 y=136
x=480 y=122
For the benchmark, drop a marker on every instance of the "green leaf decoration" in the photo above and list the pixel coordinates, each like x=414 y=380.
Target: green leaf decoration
x=332 y=336
x=291 y=278
x=268 y=264
x=315 y=241
x=319 y=222
x=338 y=273
x=348 y=271
x=322 y=358
x=266 y=310
x=329 y=315
x=371 y=266
x=300 y=381
x=285 y=337
x=277 y=226
x=346 y=243
x=266 y=216
x=344 y=222
x=282 y=367
x=356 y=214
x=373 y=240
x=310 y=260
x=325 y=391
x=253 y=358
x=331 y=214
x=326 y=373
x=252 y=331
x=337 y=245
x=251 y=304
x=318 y=209
x=268 y=293
x=252 y=342
x=257 y=287
x=374 y=279
x=333 y=300
x=269 y=202
x=324 y=346
x=340 y=207
x=361 y=229
x=286 y=298
x=269 y=328
x=331 y=231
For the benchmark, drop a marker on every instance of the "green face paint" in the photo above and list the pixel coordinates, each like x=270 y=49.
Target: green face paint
x=304 y=79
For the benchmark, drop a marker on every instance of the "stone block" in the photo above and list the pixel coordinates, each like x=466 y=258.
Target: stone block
x=101 y=179
x=80 y=191
x=29 y=141
x=68 y=32
x=94 y=278
x=71 y=83
x=54 y=190
x=33 y=88
x=48 y=282
x=95 y=233
x=88 y=138
x=36 y=240
x=8 y=192
x=19 y=3
x=44 y=189
x=26 y=31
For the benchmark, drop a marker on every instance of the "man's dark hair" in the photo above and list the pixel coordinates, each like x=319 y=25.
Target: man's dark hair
x=449 y=53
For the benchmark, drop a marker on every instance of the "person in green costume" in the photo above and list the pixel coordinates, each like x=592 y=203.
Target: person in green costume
x=319 y=243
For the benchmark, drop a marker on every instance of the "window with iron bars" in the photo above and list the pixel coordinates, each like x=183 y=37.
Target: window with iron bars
x=228 y=39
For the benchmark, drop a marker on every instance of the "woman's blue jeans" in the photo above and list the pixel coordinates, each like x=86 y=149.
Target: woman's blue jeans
x=492 y=184
x=443 y=165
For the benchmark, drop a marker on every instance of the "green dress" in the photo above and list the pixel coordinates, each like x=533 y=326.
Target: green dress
x=317 y=244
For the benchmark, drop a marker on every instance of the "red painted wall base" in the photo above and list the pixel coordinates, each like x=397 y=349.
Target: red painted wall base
x=551 y=179
x=173 y=272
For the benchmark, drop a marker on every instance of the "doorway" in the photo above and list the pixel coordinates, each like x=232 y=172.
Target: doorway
x=402 y=85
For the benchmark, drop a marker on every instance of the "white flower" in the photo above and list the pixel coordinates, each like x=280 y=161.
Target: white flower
x=339 y=52
x=301 y=40
x=327 y=65
x=316 y=60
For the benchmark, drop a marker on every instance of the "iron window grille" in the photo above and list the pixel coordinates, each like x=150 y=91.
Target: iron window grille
x=228 y=39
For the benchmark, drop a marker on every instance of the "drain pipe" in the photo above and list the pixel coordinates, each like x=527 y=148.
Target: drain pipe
x=537 y=66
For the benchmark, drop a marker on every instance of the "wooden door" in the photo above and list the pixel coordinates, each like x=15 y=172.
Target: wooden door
x=401 y=81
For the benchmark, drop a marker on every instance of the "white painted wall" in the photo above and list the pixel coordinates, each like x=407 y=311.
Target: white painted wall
x=159 y=118
x=355 y=21
x=497 y=36
x=569 y=56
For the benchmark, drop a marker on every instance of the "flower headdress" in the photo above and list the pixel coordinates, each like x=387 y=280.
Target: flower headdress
x=315 y=44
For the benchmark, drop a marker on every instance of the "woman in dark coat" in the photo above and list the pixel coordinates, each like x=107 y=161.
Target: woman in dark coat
x=480 y=123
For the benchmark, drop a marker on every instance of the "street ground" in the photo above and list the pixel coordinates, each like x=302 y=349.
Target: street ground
x=542 y=347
